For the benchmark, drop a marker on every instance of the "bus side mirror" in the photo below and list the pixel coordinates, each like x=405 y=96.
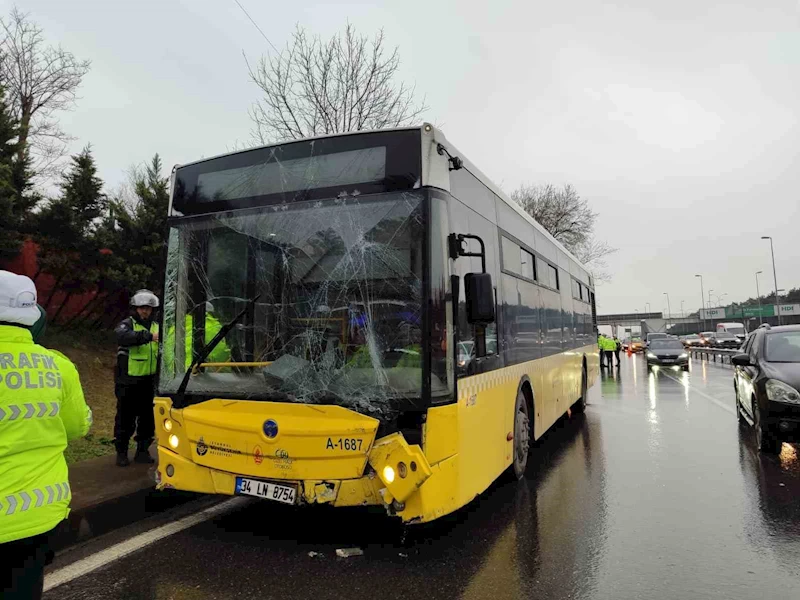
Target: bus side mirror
x=480 y=297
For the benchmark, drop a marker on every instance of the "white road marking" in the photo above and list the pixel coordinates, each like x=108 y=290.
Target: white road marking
x=109 y=555
x=716 y=401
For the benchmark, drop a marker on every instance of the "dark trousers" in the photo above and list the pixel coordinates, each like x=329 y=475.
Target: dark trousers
x=616 y=353
x=609 y=358
x=134 y=414
x=22 y=567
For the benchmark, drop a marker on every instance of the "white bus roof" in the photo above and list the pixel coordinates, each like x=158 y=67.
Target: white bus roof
x=500 y=194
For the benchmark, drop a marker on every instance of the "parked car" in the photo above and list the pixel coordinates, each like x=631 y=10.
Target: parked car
x=634 y=343
x=724 y=340
x=466 y=352
x=691 y=340
x=667 y=352
x=766 y=380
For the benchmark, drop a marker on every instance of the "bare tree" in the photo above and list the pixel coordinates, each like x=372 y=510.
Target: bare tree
x=318 y=87
x=41 y=80
x=569 y=219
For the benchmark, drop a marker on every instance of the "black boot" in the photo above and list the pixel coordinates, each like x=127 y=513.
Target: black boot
x=143 y=454
x=122 y=453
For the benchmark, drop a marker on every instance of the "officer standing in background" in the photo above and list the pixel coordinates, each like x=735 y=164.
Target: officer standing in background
x=41 y=408
x=617 y=348
x=600 y=346
x=610 y=348
x=607 y=347
x=134 y=385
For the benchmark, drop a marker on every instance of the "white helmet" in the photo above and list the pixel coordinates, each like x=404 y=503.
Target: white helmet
x=144 y=298
x=17 y=299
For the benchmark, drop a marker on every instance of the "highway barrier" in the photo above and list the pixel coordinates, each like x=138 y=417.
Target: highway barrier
x=722 y=355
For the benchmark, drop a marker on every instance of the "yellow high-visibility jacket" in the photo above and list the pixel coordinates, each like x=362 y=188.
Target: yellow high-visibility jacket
x=41 y=408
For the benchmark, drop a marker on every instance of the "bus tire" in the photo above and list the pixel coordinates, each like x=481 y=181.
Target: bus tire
x=522 y=436
x=580 y=405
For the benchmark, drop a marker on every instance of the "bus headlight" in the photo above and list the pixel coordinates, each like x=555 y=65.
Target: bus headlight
x=174 y=441
x=388 y=474
x=390 y=457
x=167 y=425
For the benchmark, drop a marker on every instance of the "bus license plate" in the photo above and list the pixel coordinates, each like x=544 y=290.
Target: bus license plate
x=267 y=490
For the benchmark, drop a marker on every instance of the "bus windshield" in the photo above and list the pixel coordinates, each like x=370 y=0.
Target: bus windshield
x=338 y=319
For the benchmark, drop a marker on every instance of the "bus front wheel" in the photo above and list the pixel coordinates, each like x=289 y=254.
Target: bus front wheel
x=522 y=435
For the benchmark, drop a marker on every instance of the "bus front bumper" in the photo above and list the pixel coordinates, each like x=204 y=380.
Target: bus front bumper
x=393 y=478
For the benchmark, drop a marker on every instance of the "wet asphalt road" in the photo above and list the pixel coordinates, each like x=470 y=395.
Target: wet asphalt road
x=655 y=493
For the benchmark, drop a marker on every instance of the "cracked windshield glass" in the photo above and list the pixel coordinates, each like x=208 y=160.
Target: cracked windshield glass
x=338 y=315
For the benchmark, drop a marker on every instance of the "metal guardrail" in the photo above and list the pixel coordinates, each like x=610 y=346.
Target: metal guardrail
x=711 y=354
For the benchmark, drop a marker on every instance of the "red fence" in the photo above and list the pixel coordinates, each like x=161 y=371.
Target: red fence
x=65 y=306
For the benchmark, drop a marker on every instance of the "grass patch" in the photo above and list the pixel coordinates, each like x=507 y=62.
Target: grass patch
x=94 y=354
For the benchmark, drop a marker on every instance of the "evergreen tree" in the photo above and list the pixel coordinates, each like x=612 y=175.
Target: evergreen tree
x=82 y=191
x=142 y=230
x=68 y=225
x=10 y=236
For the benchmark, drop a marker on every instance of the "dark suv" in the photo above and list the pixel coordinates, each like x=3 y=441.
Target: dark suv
x=766 y=381
x=724 y=340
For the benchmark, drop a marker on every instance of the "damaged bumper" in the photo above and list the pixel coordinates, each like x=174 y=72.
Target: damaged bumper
x=328 y=454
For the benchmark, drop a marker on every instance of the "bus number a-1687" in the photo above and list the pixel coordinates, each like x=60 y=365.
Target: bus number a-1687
x=350 y=444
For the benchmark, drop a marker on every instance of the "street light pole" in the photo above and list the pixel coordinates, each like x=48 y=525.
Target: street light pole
x=702 y=300
x=774 y=276
x=758 y=295
x=683 y=315
x=669 y=310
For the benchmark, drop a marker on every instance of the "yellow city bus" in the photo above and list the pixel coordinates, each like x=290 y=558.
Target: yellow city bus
x=362 y=319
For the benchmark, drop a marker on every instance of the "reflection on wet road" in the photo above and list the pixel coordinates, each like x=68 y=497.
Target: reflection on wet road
x=655 y=493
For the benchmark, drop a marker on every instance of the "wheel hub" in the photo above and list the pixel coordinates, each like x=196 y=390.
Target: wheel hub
x=522 y=435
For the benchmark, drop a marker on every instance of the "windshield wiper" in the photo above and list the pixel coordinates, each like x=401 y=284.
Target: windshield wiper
x=207 y=349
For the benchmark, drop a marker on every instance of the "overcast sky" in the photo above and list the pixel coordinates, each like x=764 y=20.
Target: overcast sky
x=679 y=120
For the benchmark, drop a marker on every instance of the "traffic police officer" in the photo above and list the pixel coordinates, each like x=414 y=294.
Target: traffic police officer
x=137 y=358
x=601 y=340
x=221 y=353
x=41 y=408
x=609 y=346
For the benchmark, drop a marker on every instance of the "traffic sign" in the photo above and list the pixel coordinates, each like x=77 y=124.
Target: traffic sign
x=738 y=312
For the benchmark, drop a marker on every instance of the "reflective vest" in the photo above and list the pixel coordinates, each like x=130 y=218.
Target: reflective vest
x=411 y=357
x=41 y=408
x=221 y=353
x=142 y=360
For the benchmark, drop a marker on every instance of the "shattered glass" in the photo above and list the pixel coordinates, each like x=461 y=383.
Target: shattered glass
x=339 y=317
